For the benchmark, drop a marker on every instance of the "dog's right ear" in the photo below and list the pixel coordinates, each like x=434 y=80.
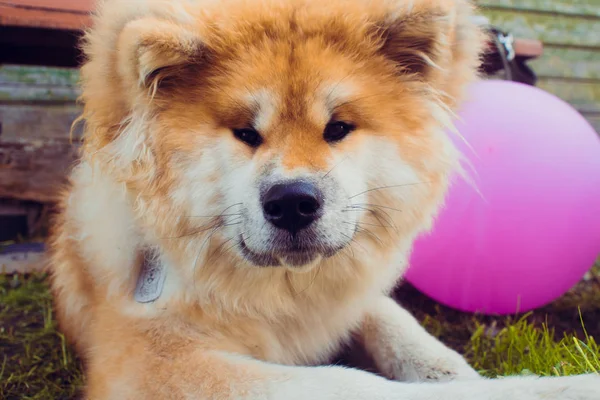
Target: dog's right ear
x=153 y=52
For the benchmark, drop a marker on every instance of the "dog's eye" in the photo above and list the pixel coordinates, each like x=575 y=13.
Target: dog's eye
x=249 y=136
x=336 y=131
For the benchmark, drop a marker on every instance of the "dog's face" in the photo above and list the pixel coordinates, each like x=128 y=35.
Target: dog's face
x=287 y=135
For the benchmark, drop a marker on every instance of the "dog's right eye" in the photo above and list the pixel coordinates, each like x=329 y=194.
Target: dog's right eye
x=249 y=136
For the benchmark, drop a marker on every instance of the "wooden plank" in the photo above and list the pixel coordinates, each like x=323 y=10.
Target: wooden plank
x=25 y=93
x=574 y=63
x=38 y=84
x=35 y=171
x=558 y=30
x=30 y=17
x=573 y=7
x=31 y=75
x=81 y=6
x=26 y=122
x=579 y=94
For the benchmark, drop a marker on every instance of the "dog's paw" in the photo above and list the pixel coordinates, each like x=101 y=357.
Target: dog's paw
x=447 y=366
x=442 y=370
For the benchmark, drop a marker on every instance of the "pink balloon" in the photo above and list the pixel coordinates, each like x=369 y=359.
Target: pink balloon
x=535 y=229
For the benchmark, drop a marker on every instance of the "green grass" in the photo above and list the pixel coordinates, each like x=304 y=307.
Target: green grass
x=523 y=348
x=36 y=362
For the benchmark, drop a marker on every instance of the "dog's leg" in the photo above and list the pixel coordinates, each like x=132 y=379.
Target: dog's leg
x=335 y=383
x=404 y=351
x=204 y=374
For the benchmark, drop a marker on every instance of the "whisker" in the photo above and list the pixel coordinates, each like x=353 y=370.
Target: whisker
x=195 y=265
x=214 y=216
x=219 y=251
x=334 y=167
x=388 y=218
x=217 y=222
x=215 y=225
x=375 y=205
x=375 y=213
x=374 y=236
x=359 y=224
x=390 y=221
x=388 y=187
x=352 y=240
x=311 y=282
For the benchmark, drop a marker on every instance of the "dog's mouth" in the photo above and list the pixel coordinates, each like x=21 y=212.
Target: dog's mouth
x=289 y=256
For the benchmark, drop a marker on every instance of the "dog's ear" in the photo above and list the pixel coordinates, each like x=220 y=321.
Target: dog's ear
x=425 y=37
x=151 y=52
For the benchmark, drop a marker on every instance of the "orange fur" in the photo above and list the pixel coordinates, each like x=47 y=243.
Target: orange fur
x=164 y=83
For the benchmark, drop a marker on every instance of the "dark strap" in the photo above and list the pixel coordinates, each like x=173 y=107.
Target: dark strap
x=503 y=58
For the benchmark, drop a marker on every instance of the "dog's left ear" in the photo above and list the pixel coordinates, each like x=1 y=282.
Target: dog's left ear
x=431 y=39
x=150 y=51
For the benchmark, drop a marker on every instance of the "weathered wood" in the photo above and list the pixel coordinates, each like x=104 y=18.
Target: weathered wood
x=37 y=109
x=81 y=6
x=574 y=63
x=26 y=122
x=572 y=7
x=37 y=84
x=71 y=15
x=581 y=94
x=35 y=170
x=25 y=93
x=554 y=29
x=38 y=75
x=10 y=16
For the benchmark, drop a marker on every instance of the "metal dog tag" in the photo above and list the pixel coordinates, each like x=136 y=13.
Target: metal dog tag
x=151 y=280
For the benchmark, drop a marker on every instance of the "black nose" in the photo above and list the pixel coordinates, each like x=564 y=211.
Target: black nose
x=292 y=206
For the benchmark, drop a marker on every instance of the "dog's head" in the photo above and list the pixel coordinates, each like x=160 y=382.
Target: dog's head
x=281 y=132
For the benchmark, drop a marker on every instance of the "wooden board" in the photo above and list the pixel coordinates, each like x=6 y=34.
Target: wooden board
x=568 y=62
x=55 y=14
x=578 y=93
x=588 y=8
x=81 y=6
x=20 y=84
x=38 y=75
x=38 y=122
x=550 y=28
x=37 y=108
x=35 y=171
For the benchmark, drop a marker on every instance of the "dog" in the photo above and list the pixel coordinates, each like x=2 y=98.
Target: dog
x=253 y=175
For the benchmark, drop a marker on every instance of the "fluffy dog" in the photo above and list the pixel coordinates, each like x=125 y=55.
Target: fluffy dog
x=253 y=175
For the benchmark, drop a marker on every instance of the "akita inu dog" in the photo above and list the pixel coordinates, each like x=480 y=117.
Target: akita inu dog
x=253 y=175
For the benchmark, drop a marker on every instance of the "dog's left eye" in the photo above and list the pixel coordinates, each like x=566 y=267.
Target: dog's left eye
x=337 y=130
x=249 y=136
